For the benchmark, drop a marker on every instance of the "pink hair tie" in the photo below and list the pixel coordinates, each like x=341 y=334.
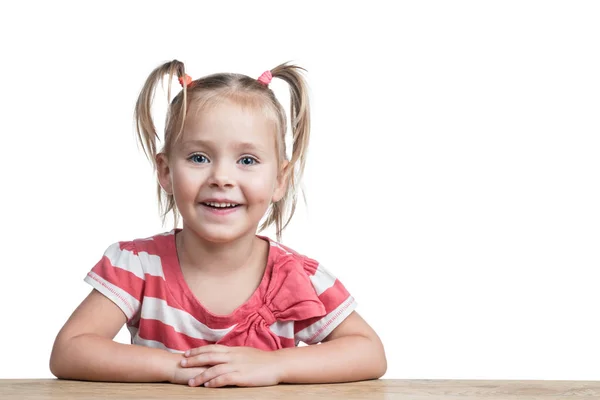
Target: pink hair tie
x=265 y=78
x=185 y=80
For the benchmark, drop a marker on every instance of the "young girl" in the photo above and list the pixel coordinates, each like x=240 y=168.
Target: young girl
x=214 y=303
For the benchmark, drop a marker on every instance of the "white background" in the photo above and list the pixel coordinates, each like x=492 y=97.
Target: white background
x=452 y=182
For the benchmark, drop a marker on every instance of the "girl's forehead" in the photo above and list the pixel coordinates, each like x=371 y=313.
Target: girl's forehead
x=262 y=149
x=228 y=124
x=222 y=110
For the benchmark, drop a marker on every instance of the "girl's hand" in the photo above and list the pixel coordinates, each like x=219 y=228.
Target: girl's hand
x=238 y=366
x=182 y=376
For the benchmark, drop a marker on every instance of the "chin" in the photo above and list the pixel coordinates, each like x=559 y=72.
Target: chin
x=220 y=235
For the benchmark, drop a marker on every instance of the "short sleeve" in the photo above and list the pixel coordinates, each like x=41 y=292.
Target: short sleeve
x=337 y=301
x=120 y=277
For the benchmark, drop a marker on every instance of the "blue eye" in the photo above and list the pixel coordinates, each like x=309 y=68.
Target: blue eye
x=199 y=158
x=248 y=161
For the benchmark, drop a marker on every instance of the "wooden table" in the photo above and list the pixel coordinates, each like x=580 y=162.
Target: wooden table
x=38 y=389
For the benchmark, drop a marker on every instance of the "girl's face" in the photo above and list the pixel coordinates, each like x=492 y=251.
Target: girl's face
x=223 y=173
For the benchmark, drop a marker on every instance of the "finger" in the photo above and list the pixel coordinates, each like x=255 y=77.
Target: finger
x=211 y=373
x=207 y=359
x=230 y=378
x=211 y=348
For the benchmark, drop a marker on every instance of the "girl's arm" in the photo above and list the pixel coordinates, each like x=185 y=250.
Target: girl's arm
x=352 y=352
x=84 y=349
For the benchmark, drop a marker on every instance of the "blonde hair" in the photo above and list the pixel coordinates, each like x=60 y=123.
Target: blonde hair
x=239 y=88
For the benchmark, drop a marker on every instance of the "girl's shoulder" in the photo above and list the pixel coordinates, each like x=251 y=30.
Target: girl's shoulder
x=284 y=255
x=304 y=291
x=129 y=268
x=149 y=244
x=287 y=262
x=141 y=253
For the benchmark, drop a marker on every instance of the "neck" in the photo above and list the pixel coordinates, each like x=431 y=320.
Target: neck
x=216 y=259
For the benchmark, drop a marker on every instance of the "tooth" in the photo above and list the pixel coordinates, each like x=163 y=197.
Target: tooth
x=221 y=205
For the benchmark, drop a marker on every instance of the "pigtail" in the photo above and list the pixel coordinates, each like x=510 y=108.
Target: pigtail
x=146 y=130
x=300 y=124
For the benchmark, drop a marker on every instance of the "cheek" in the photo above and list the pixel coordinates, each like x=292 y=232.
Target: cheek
x=260 y=191
x=184 y=184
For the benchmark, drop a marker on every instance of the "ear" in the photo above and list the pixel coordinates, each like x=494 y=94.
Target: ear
x=164 y=173
x=282 y=180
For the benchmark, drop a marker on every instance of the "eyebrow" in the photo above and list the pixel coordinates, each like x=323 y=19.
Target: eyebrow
x=246 y=146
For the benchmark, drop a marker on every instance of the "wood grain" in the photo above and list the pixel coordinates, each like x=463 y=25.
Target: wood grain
x=43 y=389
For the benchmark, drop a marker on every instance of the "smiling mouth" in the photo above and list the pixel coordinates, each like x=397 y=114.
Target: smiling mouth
x=221 y=206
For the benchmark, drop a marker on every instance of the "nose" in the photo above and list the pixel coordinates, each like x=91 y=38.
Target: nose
x=221 y=175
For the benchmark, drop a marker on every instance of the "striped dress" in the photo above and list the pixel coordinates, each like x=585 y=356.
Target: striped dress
x=298 y=300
